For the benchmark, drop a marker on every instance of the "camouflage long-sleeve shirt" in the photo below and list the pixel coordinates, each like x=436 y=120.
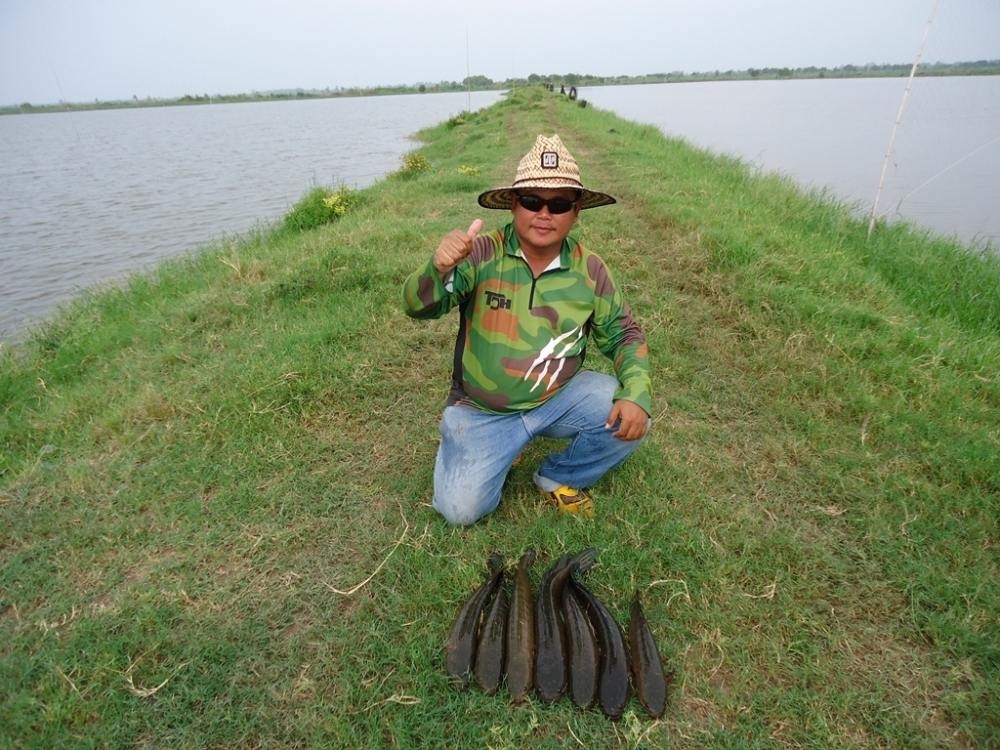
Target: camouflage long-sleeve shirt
x=521 y=338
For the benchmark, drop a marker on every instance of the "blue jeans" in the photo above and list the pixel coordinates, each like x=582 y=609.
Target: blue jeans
x=477 y=448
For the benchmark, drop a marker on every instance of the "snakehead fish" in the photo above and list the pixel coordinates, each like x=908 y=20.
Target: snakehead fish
x=460 y=649
x=491 y=649
x=647 y=669
x=581 y=650
x=550 y=640
x=520 y=659
x=613 y=670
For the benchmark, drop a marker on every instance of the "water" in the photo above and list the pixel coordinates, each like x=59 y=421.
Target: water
x=833 y=135
x=89 y=197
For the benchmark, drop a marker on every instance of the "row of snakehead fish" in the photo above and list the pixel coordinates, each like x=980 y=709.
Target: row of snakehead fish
x=562 y=640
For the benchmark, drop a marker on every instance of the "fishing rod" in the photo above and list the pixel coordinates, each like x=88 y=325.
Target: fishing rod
x=899 y=118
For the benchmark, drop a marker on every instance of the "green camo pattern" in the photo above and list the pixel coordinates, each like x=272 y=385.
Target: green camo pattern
x=521 y=338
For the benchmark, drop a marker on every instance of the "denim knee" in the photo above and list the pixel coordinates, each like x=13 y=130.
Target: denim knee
x=472 y=462
x=456 y=514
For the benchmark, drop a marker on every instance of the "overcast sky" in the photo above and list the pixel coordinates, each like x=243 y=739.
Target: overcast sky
x=79 y=50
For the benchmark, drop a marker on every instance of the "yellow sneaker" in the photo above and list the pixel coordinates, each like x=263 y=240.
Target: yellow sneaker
x=571 y=500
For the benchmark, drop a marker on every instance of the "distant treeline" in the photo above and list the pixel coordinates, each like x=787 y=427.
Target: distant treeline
x=483 y=83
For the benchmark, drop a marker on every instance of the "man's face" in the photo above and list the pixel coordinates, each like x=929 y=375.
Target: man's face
x=541 y=231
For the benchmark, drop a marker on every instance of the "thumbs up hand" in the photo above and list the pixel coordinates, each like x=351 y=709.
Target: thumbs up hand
x=454 y=247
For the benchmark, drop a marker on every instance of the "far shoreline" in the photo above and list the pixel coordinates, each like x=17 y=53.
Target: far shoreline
x=482 y=83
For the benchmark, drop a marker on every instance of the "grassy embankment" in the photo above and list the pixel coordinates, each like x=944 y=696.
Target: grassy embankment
x=192 y=465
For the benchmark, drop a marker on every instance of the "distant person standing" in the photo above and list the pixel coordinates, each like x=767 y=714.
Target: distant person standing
x=530 y=297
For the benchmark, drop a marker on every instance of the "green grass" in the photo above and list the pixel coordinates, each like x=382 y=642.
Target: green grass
x=193 y=463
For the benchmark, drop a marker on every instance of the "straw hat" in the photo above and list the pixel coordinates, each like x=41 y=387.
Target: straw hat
x=548 y=165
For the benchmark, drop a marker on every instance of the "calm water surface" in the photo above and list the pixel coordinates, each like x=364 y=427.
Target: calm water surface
x=833 y=134
x=88 y=197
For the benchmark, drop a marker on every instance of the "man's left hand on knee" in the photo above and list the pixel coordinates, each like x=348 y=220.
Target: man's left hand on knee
x=633 y=420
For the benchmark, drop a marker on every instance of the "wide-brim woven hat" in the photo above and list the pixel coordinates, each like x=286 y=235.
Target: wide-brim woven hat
x=549 y=165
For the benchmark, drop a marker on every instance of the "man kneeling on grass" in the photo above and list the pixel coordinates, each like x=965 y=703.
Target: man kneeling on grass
x=529 y=297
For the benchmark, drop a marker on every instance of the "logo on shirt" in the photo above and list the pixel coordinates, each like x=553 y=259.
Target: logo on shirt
x=554 y=353
x=496 y=301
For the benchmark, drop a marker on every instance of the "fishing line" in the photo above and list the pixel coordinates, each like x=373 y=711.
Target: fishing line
x=937 y=174
x=899 y=117
x=62 y=100
x=468 y=69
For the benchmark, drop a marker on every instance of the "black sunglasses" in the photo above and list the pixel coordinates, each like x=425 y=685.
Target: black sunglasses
x=555 y=205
